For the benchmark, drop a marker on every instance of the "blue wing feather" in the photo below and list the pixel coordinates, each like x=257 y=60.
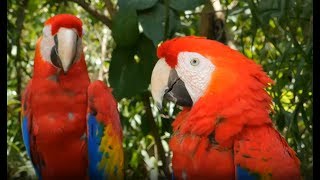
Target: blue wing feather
x=105 y=150
x=25 y=135
x=243 y=174
x=26 y=141
x=25 y=122
x=94 y=139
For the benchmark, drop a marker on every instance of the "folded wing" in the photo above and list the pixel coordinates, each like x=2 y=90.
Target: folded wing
x=262 y=153
x=104 y=134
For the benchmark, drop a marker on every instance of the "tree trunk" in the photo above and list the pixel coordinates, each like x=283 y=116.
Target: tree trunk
x=212 y=23
x=17 y=62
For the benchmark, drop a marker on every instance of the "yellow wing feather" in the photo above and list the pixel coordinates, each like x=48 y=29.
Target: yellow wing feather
x=112 y=159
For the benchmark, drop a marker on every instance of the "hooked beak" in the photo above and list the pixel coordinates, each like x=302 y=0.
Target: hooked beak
x=64 y=52
x=166 y=84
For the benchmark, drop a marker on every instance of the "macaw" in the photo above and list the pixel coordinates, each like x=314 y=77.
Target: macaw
x=71 y=127
x=224 y=130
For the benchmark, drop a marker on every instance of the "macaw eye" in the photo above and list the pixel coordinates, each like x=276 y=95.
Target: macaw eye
x=194 y=61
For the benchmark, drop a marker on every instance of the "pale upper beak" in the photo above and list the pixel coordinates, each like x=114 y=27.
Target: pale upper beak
x=159 y=81
x=66 y=43
x=166 y=84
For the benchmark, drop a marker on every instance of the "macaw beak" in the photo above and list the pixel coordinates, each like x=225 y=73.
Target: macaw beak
x=66 y=43
x=166 y=84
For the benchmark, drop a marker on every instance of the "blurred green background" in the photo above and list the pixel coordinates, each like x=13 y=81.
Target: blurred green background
x=120 y=48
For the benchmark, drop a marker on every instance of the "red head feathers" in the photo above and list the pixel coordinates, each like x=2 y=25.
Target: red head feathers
x=236 y=87
x=64 y=20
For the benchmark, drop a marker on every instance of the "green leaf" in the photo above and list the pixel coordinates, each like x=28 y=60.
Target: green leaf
x=271 y=8
x=153 y=21
x=130 y=75
x=137 y=4
x=134 y=161
x=147 y=54
x=182 y=5
x=34 y=5
x=125 y=29
x=124 y=73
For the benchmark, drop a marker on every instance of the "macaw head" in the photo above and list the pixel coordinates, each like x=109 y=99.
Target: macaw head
x=61 y=43
x=192 y=68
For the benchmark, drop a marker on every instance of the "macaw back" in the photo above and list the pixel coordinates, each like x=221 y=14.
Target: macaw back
x=261 y=152
x=258 y=152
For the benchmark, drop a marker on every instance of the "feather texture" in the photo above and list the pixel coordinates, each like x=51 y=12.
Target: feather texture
x=264 y=152
x=243 y=174
x=25 y=124
x=104 y=134
x=210 y=138
x=54 y=119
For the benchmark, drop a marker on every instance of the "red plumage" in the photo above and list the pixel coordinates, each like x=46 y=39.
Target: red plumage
x=71 y=127
x=208 y=139
x=56 y=135
x=102 y=101
x=55 y=105
x=66 y=21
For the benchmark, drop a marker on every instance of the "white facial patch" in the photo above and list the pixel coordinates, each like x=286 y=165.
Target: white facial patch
x=195 y=71
x=46 y=31
x=47 y=43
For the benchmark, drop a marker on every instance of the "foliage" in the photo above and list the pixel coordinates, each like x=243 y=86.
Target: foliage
x=276 y=34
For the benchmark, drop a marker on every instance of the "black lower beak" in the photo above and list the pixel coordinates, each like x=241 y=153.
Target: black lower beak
x=177 y=91
x=55 y=59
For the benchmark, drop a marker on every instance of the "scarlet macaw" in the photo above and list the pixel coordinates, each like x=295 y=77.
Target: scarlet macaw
x=65 y=117
x=224 y=130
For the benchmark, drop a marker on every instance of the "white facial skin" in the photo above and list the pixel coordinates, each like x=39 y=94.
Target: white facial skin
x=195 y=71
x=192 y=68
x=47 y=43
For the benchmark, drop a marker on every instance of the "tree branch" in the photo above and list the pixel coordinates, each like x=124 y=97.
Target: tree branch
x=255 y=16
x=86 y=6
x=17 y=62
x=155 y=133
x=110 y=8
x=104 y=45
x=212 y=22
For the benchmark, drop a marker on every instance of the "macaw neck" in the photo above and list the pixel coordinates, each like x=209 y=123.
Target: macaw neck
x=47 y=78
x=224 y=115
